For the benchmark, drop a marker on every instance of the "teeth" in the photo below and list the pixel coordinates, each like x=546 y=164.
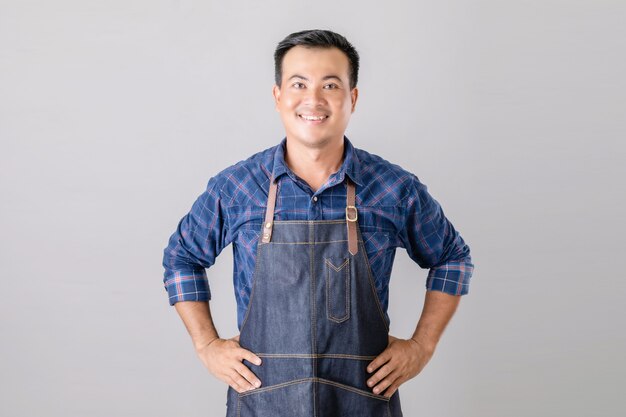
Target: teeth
x=313 y=118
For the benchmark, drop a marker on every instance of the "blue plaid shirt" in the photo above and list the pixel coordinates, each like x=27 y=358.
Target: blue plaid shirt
x=395 y=210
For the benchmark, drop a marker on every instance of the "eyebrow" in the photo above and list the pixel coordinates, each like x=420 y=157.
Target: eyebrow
x=328 y=77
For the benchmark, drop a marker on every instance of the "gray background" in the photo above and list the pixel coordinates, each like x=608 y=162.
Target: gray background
x=114 y=115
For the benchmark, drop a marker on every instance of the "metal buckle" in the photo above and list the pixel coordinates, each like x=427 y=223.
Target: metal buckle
x=356 y=214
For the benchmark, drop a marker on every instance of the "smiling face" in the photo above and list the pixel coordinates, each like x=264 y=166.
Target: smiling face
x=314 y=99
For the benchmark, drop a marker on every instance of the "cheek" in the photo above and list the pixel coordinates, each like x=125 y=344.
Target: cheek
x=289 y=101
x=286 y=108
x=344 y=104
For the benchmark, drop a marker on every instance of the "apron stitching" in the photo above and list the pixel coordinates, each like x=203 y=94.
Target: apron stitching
x=254 y=283
x=348 y=293
x=315 y=380
x=313 y=314
x=371 y=280
x=337 y=268
x=352 y=389
x=329 y=314
x=318 y=355
x=274 y=387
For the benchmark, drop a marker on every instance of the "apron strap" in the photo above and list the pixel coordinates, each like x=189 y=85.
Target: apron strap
x=351 y=215
x=269 y=212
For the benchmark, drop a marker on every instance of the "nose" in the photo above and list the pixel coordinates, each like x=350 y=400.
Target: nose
x=315 y=96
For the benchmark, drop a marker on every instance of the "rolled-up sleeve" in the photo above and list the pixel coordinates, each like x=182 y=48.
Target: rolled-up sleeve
x=432 y=242
x=199 y=238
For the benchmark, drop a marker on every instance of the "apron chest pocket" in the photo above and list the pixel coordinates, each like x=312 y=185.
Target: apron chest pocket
x=337 y=289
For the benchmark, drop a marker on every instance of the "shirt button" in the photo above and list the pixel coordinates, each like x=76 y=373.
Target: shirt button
x=315 y=198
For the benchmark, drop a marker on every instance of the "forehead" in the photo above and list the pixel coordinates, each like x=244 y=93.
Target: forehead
x=315 y=62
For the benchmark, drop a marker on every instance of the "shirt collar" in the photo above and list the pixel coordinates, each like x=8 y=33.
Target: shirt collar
x=350 y=165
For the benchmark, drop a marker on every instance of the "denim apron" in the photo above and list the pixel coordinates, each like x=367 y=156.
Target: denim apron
x=315 y=320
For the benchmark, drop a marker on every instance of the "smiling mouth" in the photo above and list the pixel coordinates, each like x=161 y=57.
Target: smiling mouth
x=311 y=118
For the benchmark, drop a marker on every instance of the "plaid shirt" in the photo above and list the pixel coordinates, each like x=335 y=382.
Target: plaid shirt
x=395 y=210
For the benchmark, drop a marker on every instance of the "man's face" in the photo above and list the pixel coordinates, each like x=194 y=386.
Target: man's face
x=314 y=99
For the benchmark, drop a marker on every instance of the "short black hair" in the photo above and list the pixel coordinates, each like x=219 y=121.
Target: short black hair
x=316 y=38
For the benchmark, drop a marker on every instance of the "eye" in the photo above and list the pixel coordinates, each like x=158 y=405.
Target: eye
x=298 y=85
x=331 y=86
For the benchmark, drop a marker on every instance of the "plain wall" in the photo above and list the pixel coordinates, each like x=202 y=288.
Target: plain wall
x=114 y=115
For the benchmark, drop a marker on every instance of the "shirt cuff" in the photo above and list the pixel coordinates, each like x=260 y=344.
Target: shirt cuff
x=452 y=277
x=187 y=286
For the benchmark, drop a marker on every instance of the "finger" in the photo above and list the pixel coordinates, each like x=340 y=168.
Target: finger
x=380 y=360
x=249 y=376
x=240 y=381
x=231 y=382
x=392 y=389
x=380 y=375
x=385 y=383
x=250 y=357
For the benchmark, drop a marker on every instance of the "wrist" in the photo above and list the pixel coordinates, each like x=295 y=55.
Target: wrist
x=425 y=345
x=201 y=346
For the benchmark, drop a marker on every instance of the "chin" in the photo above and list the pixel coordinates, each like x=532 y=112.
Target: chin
x=314 y=141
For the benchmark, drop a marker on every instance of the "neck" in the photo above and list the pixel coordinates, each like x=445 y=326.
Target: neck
x=314 y=165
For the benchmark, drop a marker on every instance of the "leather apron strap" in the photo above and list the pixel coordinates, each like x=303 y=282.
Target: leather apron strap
x=269 y=212
x=351 y=215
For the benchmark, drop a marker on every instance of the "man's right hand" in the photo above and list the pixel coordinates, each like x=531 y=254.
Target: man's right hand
x=223 y=358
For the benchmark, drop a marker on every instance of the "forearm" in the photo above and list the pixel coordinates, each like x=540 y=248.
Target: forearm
x=438 y=309
x=196 y=315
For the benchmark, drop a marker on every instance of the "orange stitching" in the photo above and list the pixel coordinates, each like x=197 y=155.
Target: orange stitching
x=373 y=286
x=318 y=380
x=329 y=314
x=317 y=355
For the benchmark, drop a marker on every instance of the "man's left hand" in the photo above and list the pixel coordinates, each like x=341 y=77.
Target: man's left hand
x=399 y=362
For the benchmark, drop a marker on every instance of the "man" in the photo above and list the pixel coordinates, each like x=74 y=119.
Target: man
x=314 y=224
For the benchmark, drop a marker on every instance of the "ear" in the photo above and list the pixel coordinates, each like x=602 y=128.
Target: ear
x=276 y=94
x=354 y=95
